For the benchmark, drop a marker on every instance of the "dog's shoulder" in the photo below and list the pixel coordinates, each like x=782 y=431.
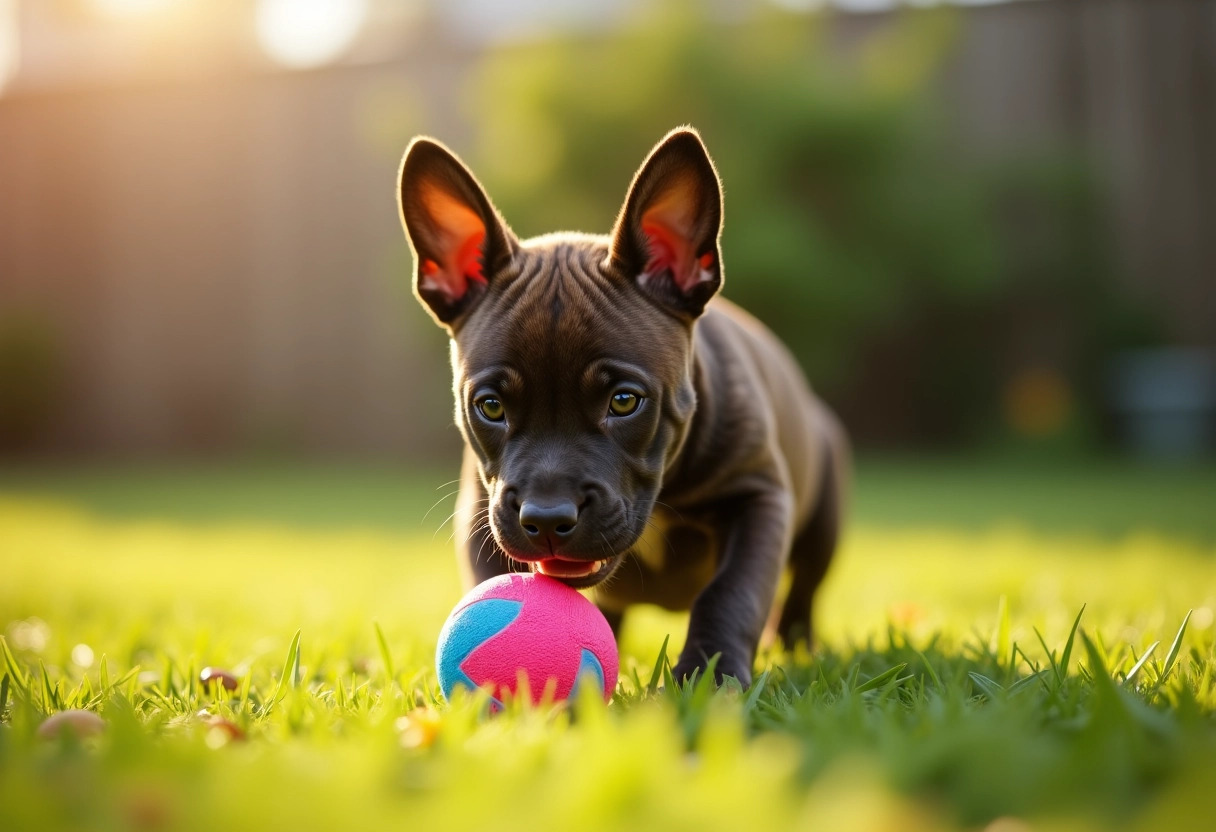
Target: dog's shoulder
x=728 y=334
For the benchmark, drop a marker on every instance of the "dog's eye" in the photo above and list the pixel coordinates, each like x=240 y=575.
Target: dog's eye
x=624 y=403
x=492 y=409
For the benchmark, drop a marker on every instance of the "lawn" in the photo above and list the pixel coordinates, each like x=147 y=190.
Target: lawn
x=953 y=687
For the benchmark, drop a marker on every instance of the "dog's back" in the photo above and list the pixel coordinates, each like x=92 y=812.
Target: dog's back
x=739 y=360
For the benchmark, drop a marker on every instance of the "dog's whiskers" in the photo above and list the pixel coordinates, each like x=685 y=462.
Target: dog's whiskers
x=436 y=503
x=445 y=522
x=486 y=536
x=670 y=508
x=456 y=511
x=476 y=524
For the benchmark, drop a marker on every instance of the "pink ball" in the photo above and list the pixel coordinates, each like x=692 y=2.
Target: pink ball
x=530 y=624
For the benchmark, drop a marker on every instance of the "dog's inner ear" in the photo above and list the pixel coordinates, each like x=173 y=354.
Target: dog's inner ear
x=666 y=236
x=670 y=225
x=453 y=251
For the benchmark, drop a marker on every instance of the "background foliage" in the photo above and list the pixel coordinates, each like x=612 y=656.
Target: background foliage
x=902 y=267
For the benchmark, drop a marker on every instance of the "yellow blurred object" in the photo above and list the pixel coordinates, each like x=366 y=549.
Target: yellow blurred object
x=419 y=728
x=906 y=614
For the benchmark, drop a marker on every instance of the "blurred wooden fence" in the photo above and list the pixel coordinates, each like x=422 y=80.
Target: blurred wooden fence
x=1132 y=83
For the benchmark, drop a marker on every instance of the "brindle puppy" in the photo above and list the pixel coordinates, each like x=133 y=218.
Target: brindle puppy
x=626 y=430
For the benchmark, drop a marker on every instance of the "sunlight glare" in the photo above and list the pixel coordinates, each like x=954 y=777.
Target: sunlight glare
x=10 y=41
x=125 y=8
x=307 y=33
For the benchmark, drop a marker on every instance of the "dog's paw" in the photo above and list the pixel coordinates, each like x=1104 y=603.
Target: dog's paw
x=794 y=630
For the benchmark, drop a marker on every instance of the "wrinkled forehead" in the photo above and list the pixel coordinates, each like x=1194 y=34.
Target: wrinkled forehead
x=562 y=309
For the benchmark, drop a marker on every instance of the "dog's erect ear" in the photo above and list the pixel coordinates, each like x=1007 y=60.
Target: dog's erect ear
x=458 y=239
x=666 y=236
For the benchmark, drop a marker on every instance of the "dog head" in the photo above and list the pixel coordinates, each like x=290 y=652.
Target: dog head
x=572 y=356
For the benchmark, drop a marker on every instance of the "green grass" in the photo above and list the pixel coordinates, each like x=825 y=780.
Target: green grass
x=955 y=686
x=1106 y=497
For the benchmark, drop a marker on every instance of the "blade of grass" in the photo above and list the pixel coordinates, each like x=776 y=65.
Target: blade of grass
x=932 y=673
x=1024 y=684
x=162 y=698
x=849 y=682
x=193 y=687
x=126 y=677
x=991 y=688
x=166 y=677
x=1051 y=657
x=703 y=687
x=82 y=693
x=20 y=679
x=754 y=693
x=385 y=656
x=295 y=665
x=881 y=679
x=688 y=685
x=50 y=700
x=293 y=658
x=1172 y=655
x=1067 y=654
x=1002 y=632
x=1131 y=674
x=660 y=668
x=1017 y=650
x=131 y=680
x=243 y=694
x=1103 y=683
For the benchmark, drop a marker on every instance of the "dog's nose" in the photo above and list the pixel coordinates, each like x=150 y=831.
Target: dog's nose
x=553 y=522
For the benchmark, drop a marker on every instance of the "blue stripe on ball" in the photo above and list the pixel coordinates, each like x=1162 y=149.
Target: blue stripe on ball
x=588 y=665
x=465 y=632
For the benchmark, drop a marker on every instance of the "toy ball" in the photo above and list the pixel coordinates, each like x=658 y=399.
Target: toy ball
x=526 y=625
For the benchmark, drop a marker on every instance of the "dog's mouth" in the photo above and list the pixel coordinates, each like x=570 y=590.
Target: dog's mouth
x=577 y=573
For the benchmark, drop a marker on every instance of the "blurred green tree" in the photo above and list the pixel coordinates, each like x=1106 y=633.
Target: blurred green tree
x=853 y=225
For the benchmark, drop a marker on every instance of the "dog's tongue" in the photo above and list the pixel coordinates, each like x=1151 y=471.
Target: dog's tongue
x=562 y=568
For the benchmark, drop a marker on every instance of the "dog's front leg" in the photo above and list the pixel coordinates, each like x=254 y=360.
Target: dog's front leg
x=730 y=613
x=476 y=550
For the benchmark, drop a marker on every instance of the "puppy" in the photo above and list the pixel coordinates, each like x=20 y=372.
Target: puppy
x=626 y=430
